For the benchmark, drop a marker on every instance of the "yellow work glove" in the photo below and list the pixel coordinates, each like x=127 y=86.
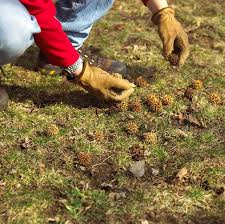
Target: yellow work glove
x=103 y=85
x=174 y=38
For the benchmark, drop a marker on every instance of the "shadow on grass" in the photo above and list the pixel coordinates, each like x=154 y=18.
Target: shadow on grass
x=29 y=59
x=134 y=71
x=42 y=98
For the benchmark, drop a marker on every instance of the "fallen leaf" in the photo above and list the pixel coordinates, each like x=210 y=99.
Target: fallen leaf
x=138 y=168
x=25 y=144
x=180 y=118
x=218 y=190
x=155 y=172
x=117 y=196
x=2 y=184
x=13 y=171
x=193 y=121
x=182 y=173
x=144 y=221
x=181 y=133
x=188 y=119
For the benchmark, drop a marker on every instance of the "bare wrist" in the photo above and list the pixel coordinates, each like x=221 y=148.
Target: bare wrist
x=156 y=5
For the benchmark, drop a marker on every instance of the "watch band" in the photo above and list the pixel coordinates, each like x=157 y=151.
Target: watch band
x=69 y=72
x=73 y=68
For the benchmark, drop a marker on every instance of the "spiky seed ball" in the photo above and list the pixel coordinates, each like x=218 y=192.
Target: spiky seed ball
x=137 y=152
x=99 y=136
x=150 y=137
x=197 y=84
x=151 y=97
x=85 y=159
x=141 y=82
x=189 y=93
x=167 y=100
x=173 y=59
x=132 y=128
x=113 y=109
x=215 y=98
x=157 y=107
x=52 y=130
x=154 y=103
x=136 y=105
x=119 y=107
x=122 y=106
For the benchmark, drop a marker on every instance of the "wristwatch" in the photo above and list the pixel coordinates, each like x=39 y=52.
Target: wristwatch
x=69 y=72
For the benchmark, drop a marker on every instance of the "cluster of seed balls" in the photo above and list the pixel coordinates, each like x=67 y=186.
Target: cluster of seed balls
x=197 y=85
x=149 y=137
x=154 y=103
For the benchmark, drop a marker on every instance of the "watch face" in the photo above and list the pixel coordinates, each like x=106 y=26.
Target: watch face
x=70 y=77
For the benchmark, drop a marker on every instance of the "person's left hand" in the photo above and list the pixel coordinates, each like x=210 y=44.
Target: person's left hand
x=172 y=34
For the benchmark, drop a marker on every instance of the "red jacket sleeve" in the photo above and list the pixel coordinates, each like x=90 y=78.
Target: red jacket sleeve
x=52 y=40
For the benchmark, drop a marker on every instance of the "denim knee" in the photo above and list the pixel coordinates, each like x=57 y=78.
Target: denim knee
x=17 y=27
x=78 y=16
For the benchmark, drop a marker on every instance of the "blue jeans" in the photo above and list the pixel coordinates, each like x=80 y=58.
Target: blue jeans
x=17 y=26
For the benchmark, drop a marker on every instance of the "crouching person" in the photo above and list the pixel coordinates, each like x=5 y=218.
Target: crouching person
x=24 y=22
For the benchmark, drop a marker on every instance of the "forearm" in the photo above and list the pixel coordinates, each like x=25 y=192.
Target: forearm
x=52 y=41
x=156 y=5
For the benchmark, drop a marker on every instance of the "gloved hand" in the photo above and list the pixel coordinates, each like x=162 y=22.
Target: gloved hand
x=174 y=38
x=103 y=85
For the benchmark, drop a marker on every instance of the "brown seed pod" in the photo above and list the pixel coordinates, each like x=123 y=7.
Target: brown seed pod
x=99 y=136
x=52 y=130
x=141 y=82
x=119 y=107
x=85 y=159
x=197 y=84
x=132 y=128
x=154 y=103
x=173 y=59
x=167 y=100
x=122 y=106
x=215 y=98
x=189 y=93
x=136 y=105
x=150 y=137
x=137 y=152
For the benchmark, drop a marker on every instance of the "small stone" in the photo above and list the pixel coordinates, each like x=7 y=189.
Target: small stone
x=138 y=168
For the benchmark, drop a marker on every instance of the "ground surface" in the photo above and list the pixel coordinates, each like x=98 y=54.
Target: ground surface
x=45 y=178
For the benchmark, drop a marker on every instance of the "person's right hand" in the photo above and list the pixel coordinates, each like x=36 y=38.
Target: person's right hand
x=103 y=85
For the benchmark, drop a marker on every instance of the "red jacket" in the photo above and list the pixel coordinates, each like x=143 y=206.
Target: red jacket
x=52 y=41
